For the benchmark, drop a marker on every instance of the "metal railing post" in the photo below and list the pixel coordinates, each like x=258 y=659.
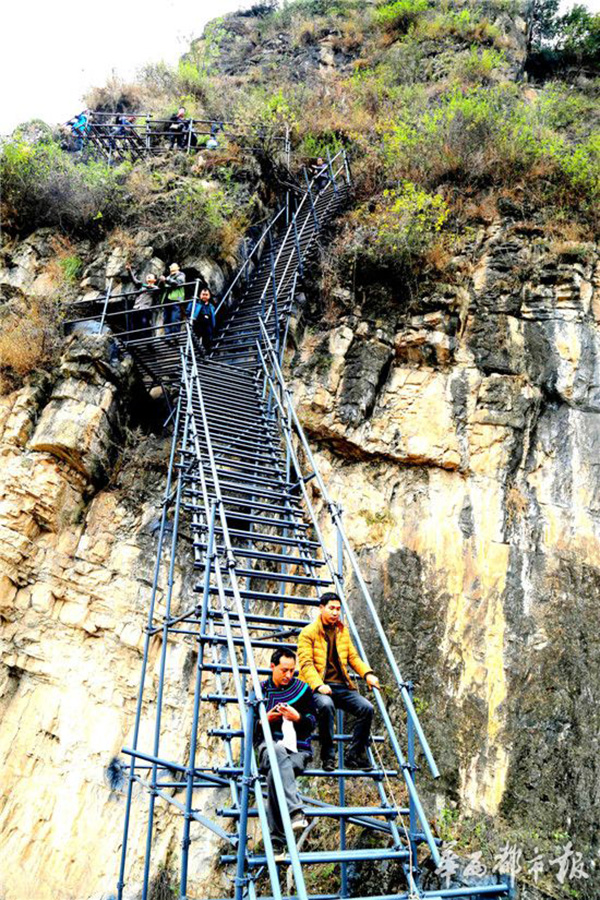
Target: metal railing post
x=138 y=715
x=347 y=168
x=412 y=813
x=274 y=287
x=185 y=844
x=332 y=173
x=312 y=205
x=247 y=782
x=104 y=308
x=298 y=250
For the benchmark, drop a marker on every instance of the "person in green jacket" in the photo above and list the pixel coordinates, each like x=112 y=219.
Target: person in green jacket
x=174 y=293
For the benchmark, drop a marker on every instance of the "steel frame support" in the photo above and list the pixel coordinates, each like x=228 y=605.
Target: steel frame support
x=237 y=489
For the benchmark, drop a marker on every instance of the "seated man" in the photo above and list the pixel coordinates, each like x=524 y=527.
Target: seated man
x=290 y=712
x=325 y=650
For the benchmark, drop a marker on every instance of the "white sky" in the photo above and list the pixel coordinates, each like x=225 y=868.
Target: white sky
x=53 y=51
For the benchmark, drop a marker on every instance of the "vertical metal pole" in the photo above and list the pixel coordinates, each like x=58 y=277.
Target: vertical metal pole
x=297 y=241
x=189 y=140
x=342 y=794
x=185 y=844
x=310 y=197
x=247 y=781
x=106 y=299
x=138 y=715
x=331 y=172
x=194 y=302
x=412 y=813
x=274 y=286
x=340 y=717
x=340 y=546
x=161 y=688
x=347 y=168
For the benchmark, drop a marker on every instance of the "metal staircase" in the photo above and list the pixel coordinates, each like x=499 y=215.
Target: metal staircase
x=240 y=487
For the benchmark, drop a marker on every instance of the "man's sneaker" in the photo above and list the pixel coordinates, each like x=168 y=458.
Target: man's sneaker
x=329 y=764
x=357 y=761
x=299 y=821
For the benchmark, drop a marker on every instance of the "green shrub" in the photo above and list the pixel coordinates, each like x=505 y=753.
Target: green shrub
x=490 y=134
x=71 y=267
x=399 y=229
x=314 y=145
x=465 y=24
x=190 y=80
x=400 y=14
x=481 y=63
x=42 y=185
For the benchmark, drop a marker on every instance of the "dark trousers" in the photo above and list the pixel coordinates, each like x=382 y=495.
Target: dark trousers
x=172 y=319
x=350 y=701
x=290 y=765
x=141 y=323
x=204 y=329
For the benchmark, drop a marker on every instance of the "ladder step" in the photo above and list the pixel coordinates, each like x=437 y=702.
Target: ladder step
x=336 y=812
x=259 y=596
x=377 y=774
x=317 y=857
x=283 y=576
x=270 y=557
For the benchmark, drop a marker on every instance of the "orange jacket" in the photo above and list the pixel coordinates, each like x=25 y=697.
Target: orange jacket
x=312 y=654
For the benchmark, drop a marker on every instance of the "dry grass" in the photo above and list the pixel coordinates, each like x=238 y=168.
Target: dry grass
x=124 y=240
x=116 y=95
x=30 y=339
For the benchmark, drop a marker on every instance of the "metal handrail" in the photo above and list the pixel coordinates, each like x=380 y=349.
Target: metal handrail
x=246 y=264
x=289 y=418
x=293 y=227
x=334 y=511
x=193 y=387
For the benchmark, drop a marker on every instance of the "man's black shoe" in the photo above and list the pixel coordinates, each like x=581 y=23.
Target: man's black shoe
x=329 y=765
x=357 y=761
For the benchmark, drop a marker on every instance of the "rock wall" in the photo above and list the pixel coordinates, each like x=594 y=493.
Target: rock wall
x=461 y=434
x=77 y=558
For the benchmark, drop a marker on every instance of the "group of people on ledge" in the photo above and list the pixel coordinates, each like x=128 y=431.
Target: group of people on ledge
x=178 y=130
x=297 y=705
x=161 y=303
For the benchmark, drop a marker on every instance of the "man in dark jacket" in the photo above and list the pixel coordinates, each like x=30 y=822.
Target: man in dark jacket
x=204 y=318
x=290 y=712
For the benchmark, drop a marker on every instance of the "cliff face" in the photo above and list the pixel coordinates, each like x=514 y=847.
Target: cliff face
x=461 y=434
x=77 y=559
x=459 y=427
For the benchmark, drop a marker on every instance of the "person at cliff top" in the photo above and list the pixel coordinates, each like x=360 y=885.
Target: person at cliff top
x=179 y=129
x=319 y=172
x=80 y=127
x=290 y=711
x=212 y=143
x=174 y=293
x=124 y=127
x=205 y=321
x=325 y=650
x=145 y=300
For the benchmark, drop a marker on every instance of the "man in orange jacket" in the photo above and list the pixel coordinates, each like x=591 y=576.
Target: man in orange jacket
x=325 y=650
